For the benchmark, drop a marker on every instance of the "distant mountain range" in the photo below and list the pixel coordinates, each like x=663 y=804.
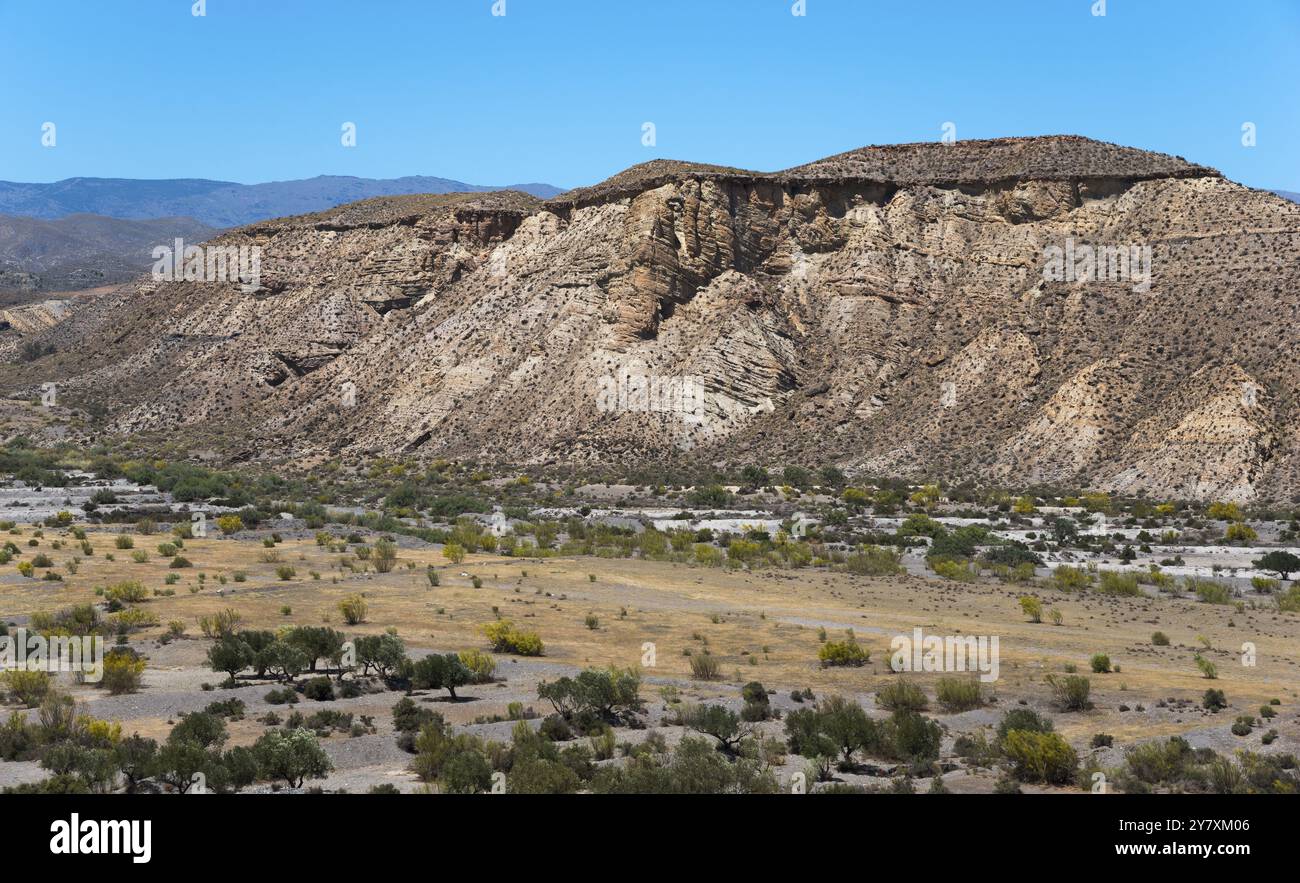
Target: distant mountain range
x=219 y=203
x=1287 y=194
x=83 y=251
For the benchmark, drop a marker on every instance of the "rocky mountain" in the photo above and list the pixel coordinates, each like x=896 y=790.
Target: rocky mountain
x=1015 y=311
x=1287 y=194
x=84 y=251
x=218 y=203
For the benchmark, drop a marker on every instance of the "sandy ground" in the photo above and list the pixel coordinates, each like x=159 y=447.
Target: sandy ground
x=761 y=625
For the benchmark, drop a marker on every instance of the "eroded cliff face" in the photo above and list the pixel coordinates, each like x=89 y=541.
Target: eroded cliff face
x=886 y=310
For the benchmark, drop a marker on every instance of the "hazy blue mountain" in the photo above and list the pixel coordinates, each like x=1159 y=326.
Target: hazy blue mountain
x=218 y=203
x=1287 y=194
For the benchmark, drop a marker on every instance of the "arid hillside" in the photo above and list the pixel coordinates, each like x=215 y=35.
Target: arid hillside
x=923 y=310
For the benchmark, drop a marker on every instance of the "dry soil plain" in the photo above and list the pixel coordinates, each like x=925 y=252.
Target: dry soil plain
x=762 y=625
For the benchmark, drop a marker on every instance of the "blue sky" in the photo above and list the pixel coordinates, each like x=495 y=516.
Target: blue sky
x=558 y=90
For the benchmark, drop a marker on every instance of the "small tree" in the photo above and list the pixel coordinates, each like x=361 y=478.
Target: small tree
x=379 y=654
x=720 y=722
x=440 y=672
x=847 y=725
x=1280 y=562
x=230 y=655
x=293 y=756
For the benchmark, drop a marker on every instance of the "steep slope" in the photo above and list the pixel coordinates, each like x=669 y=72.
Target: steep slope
x=887 y=309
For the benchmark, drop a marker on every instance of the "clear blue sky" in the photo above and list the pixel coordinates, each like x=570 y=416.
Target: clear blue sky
x=557 y=90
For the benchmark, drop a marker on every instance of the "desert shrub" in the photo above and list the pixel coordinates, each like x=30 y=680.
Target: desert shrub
x=133 y=618
x=959 y=694
x=123 y=672
x=1071 y=691
x=958 y=571
x=505 y=638
x=900 y=694
x=1032 y=607
x=1208 y=669
x=286 y=573
x=28 y=687
x=1113 y=582
x=705 y=667
x=1100 y=663
x=180 y=562
x=481 y=665
x=1156 y=763
x=555 y=728
x=232 y=708
x=843 y=653
x=910 y=737
x=693 y=768
x=353 y=608
x=384 y=556
x=1160 y=639
x=320 y=689
x=230 y=524
x=466 y=771
x=1211 y=592
x=409 y=717
x=874 y=561
x=130 y=592
x=1040 y=757
x=1068 y=578
x=124 y=541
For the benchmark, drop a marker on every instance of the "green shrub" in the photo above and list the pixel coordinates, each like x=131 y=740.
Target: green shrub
x=1114 y=582
x=843 y=653
x=959 y=694
x=1040 y=757
x=1071 y=691
x=705 y=667
x=505 y=638
x=901 y=694
x=320 y=689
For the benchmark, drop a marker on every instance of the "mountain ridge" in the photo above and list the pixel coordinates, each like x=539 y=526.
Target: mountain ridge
x=885 y=310
x=220 y=204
